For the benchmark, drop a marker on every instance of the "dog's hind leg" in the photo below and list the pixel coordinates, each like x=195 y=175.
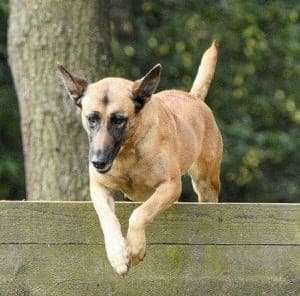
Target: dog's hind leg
x=206 y=181
x=205 y=171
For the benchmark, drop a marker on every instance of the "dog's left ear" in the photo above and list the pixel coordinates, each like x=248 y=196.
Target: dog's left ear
x=74 y=85
x=144 y=88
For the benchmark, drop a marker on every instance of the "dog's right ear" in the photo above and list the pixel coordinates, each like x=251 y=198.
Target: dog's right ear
x=145 y=87
x=74 y=85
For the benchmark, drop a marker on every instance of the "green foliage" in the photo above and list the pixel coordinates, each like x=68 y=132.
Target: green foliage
x=255 y=90
x=255 y=93
x=11 y=160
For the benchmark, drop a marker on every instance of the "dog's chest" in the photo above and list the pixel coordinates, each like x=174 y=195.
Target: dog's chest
x=133 y=177
x=133 y=185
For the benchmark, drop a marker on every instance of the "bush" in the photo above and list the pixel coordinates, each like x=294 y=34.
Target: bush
x=255 y=93
x=255 y=89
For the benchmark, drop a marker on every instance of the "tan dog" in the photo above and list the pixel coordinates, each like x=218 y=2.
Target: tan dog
x=141 y=143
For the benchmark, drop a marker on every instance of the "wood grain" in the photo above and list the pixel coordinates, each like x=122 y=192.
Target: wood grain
x=167 y=270
x=56 y=248
x=184 y=223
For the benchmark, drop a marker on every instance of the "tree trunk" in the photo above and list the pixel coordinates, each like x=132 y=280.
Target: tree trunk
x=74 y=33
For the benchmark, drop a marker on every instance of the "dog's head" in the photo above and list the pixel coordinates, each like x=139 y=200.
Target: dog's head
x=109 y=110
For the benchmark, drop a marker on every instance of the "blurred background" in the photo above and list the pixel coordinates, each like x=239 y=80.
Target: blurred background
x=254 y=94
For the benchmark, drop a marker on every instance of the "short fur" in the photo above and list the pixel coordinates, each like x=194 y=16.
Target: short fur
x=142 y=143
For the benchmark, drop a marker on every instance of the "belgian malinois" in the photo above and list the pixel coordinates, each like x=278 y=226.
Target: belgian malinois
x=141 y=143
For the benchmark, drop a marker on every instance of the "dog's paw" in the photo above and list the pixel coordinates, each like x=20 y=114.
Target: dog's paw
x=118 y=256
x=136 y=242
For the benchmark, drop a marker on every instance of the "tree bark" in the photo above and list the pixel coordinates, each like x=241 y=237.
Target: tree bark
x=76 y=34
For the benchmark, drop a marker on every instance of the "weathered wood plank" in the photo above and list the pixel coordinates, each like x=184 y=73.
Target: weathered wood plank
x=55 y=248
x=183 y=270
x=184 y=223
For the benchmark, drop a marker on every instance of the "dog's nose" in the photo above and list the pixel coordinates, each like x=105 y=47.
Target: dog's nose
x=100 y=164
x=101 y=160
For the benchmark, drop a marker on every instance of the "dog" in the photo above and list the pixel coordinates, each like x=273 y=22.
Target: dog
x=141 y=143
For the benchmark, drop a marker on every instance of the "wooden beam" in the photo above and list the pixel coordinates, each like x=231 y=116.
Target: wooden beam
x=56 y=248
x=183 y=223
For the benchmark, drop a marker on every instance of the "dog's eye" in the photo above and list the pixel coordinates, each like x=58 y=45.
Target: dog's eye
x=93 y=120
x=118 y=120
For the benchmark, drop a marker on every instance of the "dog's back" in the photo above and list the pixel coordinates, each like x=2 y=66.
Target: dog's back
x=198 y=136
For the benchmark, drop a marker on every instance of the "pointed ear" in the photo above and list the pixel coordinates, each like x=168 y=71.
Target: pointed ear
x=143 y=88
x=74 y=85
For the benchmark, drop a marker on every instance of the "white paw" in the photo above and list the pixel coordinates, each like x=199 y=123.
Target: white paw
x=118 y=255
x=136 y=242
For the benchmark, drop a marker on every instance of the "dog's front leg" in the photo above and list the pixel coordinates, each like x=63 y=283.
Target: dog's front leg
x=163 y=197
x=115 y=244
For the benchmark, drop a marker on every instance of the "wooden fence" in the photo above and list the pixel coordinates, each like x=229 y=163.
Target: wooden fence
x=56 y=248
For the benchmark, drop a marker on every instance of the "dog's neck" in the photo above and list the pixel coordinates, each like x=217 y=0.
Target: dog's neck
x=144 y=124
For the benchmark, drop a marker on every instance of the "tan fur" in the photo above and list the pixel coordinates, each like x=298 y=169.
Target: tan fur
x=205 y=72
x=174 y=133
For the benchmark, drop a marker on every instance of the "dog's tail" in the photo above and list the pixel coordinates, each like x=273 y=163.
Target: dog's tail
x=205 y=72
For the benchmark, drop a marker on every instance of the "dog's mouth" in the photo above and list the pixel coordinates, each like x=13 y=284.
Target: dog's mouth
x=103 y=161
x=104 y=169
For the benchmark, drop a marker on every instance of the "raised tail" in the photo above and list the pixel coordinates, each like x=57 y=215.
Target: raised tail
x=206 y=72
